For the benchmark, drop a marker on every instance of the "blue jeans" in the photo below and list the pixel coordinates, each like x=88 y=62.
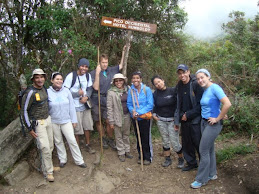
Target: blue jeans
x=207 y=166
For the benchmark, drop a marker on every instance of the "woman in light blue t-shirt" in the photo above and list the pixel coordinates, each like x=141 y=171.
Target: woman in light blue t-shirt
x=211 y=126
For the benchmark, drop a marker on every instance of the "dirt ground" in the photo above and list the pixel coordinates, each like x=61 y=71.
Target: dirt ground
x=240 y=175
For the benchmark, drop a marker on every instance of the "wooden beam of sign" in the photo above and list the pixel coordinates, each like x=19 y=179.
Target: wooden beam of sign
x=129 y=25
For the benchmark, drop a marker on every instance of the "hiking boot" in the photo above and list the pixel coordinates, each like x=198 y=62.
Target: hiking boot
x=89 y=149
x=82 y=165
x=128 y=155
x=139 y=161
x=167 y=162
x=146 y=162
x=62 y=165
x=212 y=178
x=105 y=145
x=56 y=169
x=180 y=163
x=189 y=167
x=196 y=185
x=122 y=158
x=50 y=177
x=111 y=143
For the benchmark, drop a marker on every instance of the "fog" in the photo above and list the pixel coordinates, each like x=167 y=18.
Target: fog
x=205 y=17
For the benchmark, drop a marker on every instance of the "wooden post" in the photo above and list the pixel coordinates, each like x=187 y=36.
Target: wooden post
x=126 y=55
x=100 y=117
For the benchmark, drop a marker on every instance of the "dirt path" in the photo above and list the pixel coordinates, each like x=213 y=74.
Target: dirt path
x=123 y=177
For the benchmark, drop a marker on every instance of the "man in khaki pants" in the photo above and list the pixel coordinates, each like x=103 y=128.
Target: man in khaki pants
x=35 y=114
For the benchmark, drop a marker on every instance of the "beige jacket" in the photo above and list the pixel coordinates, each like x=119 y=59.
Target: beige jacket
x=114 y=109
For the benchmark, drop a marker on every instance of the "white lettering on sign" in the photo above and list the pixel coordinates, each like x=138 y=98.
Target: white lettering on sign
x=118 y=21
x=128 y=24
x=119 y=25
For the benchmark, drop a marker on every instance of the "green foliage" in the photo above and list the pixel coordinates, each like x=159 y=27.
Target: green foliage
x=244 y=115
x=7 y=104
x=231 y=151
x=227 y=135
x=155 y=131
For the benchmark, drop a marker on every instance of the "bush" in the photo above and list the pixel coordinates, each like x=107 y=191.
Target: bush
x=244 y=115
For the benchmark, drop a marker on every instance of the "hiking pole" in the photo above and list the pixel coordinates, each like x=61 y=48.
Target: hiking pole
x=138 y=133
x=99 y=106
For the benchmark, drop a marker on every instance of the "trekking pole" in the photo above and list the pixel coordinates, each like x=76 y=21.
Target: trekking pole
x=138 y=133
x=99 y=106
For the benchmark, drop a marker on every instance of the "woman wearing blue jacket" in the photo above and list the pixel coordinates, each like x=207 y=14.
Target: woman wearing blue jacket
x=63 y=118
x=143 y=103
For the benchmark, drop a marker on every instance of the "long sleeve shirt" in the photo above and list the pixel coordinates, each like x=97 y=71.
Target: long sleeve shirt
x=61 y=106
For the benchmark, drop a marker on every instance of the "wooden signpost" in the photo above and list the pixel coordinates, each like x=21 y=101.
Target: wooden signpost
x=136 y=26
x=129 y=25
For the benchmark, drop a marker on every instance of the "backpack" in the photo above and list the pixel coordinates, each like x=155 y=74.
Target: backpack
x=75 y=76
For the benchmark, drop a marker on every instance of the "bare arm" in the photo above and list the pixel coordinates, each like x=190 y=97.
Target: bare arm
x=97 y=77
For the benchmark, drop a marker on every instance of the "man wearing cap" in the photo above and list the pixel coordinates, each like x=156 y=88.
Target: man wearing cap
x=35 y=114
x=102 y=78
x=188 y=114
x=80 y=85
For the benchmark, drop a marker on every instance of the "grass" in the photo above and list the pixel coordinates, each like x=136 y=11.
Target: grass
x=227 y=135
x=231 y=151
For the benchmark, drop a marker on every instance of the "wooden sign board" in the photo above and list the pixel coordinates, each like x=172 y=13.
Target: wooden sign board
x=129 y=25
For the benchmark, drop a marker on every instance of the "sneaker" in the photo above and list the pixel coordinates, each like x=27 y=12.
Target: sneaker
x=189 y=167
x=180 y=163
x=128 y=155
x=146 y=162
x=82 y=165
x=50 y=177
x=196 y=185
x=89 y=149
x=111 y=143
x=105 y=145
x=212 y=178
x=167 y=162
x=62 y=165
x=56 y=169
x=122 y=158
x=139 y=161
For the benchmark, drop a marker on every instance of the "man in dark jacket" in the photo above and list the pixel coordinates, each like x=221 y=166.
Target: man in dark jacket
x=35 y=114
x=188 y=113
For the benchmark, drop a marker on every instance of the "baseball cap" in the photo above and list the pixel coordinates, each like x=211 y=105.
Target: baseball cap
x=38 y=72
x=182 y=67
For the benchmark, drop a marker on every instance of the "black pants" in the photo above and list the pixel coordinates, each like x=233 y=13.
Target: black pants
x=145 y=136
x=191 y=136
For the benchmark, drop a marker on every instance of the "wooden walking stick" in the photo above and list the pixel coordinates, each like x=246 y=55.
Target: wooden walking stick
x=99 y=106
x=139 y=139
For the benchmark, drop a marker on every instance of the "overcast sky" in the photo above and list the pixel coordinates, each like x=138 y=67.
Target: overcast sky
x=205 y=17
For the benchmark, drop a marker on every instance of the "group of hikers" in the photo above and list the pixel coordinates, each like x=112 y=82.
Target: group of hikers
x=71 y=108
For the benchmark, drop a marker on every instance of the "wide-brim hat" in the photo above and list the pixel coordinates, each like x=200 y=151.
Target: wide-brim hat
x=37 y=72
x=118 y=76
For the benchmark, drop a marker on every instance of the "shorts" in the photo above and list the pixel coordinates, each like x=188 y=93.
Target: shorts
x=84 y=122
x=95 y=112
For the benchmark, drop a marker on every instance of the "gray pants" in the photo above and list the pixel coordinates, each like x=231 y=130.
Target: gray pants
x=169 y=135
x=122 y=136
x=207 y=166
